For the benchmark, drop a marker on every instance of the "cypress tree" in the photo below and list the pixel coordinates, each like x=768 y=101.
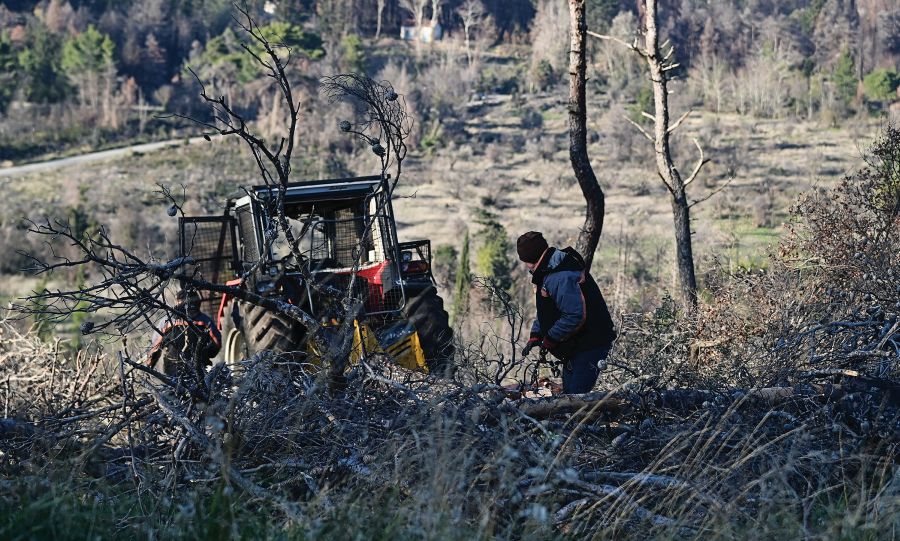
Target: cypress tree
x=463 y=283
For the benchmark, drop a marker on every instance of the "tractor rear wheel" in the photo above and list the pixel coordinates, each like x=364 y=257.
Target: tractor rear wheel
x=425 y=312
x=248 y=329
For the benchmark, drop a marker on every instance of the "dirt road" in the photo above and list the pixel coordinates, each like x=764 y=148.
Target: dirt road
x=93 y=157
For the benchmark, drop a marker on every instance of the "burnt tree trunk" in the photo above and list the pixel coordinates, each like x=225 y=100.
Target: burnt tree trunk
x=664 y=163
x=581 y=164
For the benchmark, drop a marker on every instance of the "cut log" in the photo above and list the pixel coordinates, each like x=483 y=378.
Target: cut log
x=681 y=400
x=591 y=403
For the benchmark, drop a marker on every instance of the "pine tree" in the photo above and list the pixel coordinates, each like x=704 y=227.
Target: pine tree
x=85 y=58
x=40 y=62
x=844 y=78
x=881 y=84
x=492 y=255
x=8 y=72
x=89 y=51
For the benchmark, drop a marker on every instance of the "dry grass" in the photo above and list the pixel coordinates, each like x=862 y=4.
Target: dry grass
x=88 y=446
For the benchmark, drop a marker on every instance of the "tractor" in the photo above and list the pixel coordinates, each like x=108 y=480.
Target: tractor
x=345 y=247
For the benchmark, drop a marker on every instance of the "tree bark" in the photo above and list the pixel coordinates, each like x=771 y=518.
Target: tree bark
x=578 y=155
x=664 y=164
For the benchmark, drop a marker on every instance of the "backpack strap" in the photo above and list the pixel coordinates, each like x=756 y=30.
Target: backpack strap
x=575 y=255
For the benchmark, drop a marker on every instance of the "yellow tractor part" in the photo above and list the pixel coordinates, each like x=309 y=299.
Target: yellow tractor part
x=406 y=350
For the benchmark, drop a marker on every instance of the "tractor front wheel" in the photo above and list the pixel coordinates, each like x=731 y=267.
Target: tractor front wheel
x=248 y=329
x=425 y=312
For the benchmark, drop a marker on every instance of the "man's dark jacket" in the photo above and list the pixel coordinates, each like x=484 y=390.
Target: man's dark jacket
x=185 y=346
x=570 y=308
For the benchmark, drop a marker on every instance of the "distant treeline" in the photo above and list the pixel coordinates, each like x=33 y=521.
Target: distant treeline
x=150 y=40
x=106 y=63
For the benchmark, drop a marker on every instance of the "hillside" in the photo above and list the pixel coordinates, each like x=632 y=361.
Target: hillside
x=331 y=391
x=521 y=177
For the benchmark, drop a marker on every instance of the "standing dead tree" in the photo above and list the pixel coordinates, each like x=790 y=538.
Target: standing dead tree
x=380 y=10
x=661 y=66
x=472 y=14
x=417 y=9
x=578 y=155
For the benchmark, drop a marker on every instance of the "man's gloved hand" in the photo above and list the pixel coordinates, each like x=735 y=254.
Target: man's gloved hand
x=532 y=343
x=548 y=344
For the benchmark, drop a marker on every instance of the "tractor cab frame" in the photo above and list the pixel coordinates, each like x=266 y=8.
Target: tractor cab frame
x=345 y=245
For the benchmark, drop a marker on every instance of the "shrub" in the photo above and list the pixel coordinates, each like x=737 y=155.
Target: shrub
x=830 y=292
x=531 y=119
x=353 y=54
x=492 y=257
x=881 y=84
x=543 y=75
x=444 y=263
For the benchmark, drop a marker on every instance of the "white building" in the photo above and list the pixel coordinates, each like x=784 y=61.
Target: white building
x=430 y=32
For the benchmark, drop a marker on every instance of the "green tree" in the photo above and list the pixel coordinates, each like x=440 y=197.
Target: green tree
x=643 y=103
x=90 y=50
x=808 y=15
x=9 y=70
x=881 y=85
x=290 y=35
x=844 y=78
x=86 y=57
x=79 y=315
x=40 y=62
x=600 y=14
x=225 y=58
x=543 y=74
x=492 y=256
x=43 y=327
x=463 y=283
x=353 y=54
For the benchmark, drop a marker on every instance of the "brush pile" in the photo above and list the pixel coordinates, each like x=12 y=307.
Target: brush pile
x=639 y=459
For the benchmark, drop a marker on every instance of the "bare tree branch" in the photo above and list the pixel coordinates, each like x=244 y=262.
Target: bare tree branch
x=639 y=128
x=700 y=163
x=678 y=122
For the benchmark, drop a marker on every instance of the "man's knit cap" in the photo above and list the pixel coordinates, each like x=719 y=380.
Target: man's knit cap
x=531 y=246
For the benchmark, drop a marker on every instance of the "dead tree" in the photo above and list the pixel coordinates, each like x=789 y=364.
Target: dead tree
x=578 y=155
x=661 y=66
x=381 y=120
x=417 y=9
x=472 y=14
x=380 y=11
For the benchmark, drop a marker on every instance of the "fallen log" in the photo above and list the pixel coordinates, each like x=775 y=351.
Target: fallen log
x=612 y=403
x=590 y=403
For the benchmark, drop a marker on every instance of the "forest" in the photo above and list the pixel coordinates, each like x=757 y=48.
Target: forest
x=99 y=71
x=730 y=171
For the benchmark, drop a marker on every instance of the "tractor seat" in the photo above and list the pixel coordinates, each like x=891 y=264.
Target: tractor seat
x=326 y=263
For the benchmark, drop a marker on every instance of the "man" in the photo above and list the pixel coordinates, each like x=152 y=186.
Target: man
x=185 y=345
x=573 y=322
